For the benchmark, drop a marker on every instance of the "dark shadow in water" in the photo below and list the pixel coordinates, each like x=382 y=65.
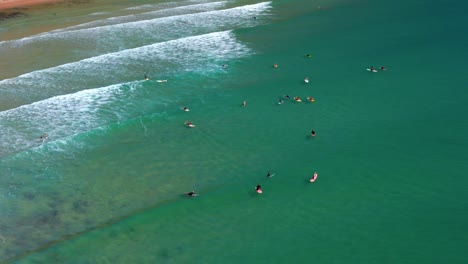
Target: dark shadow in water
x=11 y=14
x=52 y=218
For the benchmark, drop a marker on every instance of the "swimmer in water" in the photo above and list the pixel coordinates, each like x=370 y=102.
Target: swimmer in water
x=192 y=194
x=312 y=133
x=269 y=175
x=287 y=96
x=223 y=66
x=280 y=101
x=383 y=68
x=44 y=136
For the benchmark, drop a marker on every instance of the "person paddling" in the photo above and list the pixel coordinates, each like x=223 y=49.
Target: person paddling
x=258 y=189
x=192 y=194
x=314 y=177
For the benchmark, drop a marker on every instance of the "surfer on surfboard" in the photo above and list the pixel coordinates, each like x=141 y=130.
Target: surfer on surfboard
x=191 y=194
x=189 y=124
x=258 y=188
x=312 y=133
x=314 y=177
x=146 y=76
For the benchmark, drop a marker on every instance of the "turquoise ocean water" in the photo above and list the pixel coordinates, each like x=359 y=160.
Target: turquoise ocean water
x=107 y=184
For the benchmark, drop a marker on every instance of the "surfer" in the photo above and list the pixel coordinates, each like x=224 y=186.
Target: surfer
x=308 y=55
x=275 y=65
x=255 y=17
x=306 y=80
x=314 y=177
x=192 y=194
x=244 y=104
x=258 y=188
x=185 y=109
x=312 y=133
x=383 y=68
x=280 y=101
x=311 y=99
x=223 y=66
x=44 y=136
x=297 y=99
x=146 y=76
x=372 y=69
x=269 y=175
x=286 y=96
x=189 y=124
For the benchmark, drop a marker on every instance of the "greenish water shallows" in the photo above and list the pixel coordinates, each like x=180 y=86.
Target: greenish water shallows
x=390 y=149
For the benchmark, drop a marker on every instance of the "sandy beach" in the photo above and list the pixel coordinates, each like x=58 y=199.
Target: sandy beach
x=8 y=4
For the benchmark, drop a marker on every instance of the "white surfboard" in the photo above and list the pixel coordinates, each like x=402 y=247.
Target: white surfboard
x=374 y=70
x=161 y=81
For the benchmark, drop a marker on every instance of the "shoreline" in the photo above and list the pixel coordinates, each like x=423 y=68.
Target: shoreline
x=12 y=4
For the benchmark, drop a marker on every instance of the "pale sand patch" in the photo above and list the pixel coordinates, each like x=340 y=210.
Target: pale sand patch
x=8 y=4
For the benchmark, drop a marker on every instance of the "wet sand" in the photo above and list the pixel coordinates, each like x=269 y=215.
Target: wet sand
x=9 y=4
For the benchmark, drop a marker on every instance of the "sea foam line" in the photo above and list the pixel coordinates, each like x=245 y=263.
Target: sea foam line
x=142 y=26
x=200 y=7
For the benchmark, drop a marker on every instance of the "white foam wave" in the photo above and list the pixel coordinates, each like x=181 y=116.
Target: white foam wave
x=146 y=24
x=172 y=11
x=66 y=115
x=102 y=70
